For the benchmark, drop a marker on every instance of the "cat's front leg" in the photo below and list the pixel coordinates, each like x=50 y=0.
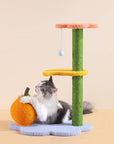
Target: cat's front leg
x=41 y=111
x=26 y=99
x=39 y=108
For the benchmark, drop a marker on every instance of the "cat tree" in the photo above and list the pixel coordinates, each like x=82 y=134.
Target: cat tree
x=77 y=71
x=24 y=114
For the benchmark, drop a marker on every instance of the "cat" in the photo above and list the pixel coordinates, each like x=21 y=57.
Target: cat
x=49 y=110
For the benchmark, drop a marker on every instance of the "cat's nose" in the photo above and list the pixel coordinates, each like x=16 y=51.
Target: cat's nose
x=35 y=86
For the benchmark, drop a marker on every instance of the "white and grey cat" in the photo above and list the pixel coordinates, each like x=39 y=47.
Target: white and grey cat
x=49 y=110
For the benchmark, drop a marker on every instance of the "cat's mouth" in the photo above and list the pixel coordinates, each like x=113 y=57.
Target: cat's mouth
x=55 y=90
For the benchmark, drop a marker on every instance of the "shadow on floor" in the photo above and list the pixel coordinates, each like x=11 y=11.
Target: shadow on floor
x=4 y=125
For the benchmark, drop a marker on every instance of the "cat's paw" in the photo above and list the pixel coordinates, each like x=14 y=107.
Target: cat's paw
x=24 y=100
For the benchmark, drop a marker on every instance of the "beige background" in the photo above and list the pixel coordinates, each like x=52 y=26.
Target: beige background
x=29 y=44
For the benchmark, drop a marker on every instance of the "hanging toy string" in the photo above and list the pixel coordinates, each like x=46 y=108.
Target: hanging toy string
x=61 y=52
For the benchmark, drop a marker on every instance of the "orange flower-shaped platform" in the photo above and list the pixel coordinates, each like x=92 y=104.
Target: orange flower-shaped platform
x=77 y=25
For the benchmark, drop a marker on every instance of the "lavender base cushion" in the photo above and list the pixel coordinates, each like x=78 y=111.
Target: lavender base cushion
x=65 y=129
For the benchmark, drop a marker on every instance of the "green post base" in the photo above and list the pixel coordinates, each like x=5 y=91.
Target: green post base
x=77 y=82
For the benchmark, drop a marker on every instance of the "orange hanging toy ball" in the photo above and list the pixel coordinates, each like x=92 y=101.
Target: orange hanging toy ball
x=23 y=114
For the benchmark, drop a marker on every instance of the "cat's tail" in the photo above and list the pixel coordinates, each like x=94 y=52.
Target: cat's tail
x=87 y=107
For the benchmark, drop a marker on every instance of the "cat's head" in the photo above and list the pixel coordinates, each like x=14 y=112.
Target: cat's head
x=46 y=88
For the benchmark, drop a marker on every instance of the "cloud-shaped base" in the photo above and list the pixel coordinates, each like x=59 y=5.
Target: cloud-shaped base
x=65 y=129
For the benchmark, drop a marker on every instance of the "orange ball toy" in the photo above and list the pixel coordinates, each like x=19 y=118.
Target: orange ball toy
x=23 y=114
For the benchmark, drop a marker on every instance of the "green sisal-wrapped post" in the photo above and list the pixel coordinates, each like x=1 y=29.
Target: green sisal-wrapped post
x=77 y=81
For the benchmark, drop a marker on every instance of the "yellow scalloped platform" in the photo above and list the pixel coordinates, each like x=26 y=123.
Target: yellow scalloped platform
x=64 y=72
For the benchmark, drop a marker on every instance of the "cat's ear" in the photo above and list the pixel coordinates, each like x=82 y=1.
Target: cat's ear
x=51 y=79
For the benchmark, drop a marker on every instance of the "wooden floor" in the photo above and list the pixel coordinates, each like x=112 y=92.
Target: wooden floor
x=103 y=132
